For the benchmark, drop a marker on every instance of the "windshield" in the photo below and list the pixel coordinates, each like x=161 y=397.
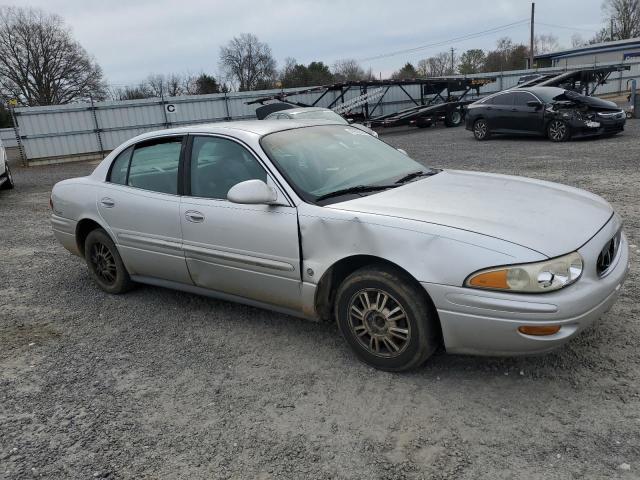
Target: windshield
x=320 y=160
x=319 y=115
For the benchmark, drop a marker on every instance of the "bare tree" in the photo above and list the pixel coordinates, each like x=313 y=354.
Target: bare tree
x=437 y=66
x=625 y=15
x=577 y=41
x=348 y=70
x=248 y=62
x=41 y=63
x=545 y=43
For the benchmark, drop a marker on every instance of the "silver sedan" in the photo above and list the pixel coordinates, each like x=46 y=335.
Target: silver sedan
x=327 y=222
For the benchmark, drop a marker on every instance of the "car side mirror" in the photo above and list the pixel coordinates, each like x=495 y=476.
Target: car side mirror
x=252 y=192
x=350 y=121
x=534 y=104
x=404 y=152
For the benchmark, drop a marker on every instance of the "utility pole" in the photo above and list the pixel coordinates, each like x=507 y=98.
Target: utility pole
x=533 y=15
x=453 y=69
x=611 y=30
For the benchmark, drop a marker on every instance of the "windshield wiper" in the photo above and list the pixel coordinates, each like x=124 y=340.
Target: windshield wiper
x=355 y=189
x=419 y=173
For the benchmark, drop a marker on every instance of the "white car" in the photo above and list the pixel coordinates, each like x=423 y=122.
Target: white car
x=317 y=113
x=6 y=179
x=326 y=222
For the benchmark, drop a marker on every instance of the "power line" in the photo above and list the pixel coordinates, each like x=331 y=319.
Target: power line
x=450 y=41
x=566 y=28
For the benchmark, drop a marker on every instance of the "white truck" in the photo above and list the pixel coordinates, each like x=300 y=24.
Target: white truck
x=6 y=180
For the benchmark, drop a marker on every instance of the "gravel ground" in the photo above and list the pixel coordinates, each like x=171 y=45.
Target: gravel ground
x=161 y=384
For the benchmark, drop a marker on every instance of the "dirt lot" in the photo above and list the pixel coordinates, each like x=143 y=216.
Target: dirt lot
x=160 y=384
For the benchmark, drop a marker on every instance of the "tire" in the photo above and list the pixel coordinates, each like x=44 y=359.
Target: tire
x=558 y=131
x=104 y=263
x=453 y=118
x=8 y=183
x=397 y=332
x=481 y=130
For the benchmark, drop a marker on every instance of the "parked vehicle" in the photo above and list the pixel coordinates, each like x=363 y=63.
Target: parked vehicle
x=326 y=222
x=554 y=112
x=316 y=113
x=6 y=179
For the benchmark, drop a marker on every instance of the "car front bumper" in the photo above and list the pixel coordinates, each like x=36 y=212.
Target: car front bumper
x=607 y=126
x=486 y=322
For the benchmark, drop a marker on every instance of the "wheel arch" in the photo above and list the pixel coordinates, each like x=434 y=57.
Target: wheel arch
x=83 y=228
x=324 y=301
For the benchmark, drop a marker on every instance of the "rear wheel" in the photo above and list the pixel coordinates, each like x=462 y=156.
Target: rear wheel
x=481 y=129
x=453 y=118
x=386 y=319
x=8 y=183
x=104 y=263
x=558 y=131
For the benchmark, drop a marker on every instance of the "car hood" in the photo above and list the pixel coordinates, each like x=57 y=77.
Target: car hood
x=593 y=102
x=549 y=218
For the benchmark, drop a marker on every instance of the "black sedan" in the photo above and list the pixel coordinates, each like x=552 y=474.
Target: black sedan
x=554 y=112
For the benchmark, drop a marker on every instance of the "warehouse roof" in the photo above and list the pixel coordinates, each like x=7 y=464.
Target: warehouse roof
x=618 y=45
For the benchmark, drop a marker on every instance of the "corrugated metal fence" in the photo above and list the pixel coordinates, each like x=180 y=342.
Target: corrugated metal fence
x=82 y=131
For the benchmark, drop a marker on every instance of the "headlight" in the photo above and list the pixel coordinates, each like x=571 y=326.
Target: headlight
x=537 y=277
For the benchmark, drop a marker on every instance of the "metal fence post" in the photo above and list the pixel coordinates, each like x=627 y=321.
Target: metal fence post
x=164 y=111
x=226 y=106
x=97 y=126
x=14 y=120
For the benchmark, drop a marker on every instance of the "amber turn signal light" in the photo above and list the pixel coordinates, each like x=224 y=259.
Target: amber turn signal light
x=493 y=279
x=539 y=330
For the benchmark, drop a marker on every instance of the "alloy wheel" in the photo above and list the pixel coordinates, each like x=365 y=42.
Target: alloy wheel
x=379 y=322
x=103 y=263
x=480 y=129
x=557 y=130
x=456 y=118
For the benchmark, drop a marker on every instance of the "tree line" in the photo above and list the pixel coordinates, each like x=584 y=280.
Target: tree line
x=42 y=64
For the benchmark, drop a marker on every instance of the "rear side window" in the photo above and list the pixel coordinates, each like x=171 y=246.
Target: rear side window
x=504 y=99
x=154 y=165
x=120 y=167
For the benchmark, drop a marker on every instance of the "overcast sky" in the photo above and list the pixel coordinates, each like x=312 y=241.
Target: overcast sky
x=132 y=38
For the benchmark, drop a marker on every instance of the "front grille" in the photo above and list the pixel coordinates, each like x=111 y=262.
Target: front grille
x=608 y=255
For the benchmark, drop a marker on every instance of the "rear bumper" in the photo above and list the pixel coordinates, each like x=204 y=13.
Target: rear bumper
x=65 y=232
x=485 y=322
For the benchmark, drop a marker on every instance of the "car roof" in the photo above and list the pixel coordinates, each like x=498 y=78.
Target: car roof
x=306 y=109
x=257 y=127
x=549 y=90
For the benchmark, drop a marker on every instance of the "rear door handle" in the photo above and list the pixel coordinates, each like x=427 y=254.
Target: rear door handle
x=107 y=202
x=194 y=216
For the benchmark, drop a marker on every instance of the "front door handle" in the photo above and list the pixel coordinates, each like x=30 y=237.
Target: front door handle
x=107 y=202
x=194 y=216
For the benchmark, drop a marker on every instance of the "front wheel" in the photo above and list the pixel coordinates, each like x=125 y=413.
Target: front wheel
x=558 y=131
x=104 y=263
x=386 y=319
x=8 y=183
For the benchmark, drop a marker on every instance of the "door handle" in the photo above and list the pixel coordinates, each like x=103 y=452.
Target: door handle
x=194 y=216
x=107 y=202
x=514 y=109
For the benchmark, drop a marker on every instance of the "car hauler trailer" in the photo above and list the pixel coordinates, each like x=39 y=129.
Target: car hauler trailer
x=440 y=99
x=584 y=81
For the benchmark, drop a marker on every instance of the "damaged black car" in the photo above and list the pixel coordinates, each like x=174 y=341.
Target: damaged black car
x=553 y=112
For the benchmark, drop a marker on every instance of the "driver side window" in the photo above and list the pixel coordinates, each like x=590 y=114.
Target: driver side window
x=217 y=164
